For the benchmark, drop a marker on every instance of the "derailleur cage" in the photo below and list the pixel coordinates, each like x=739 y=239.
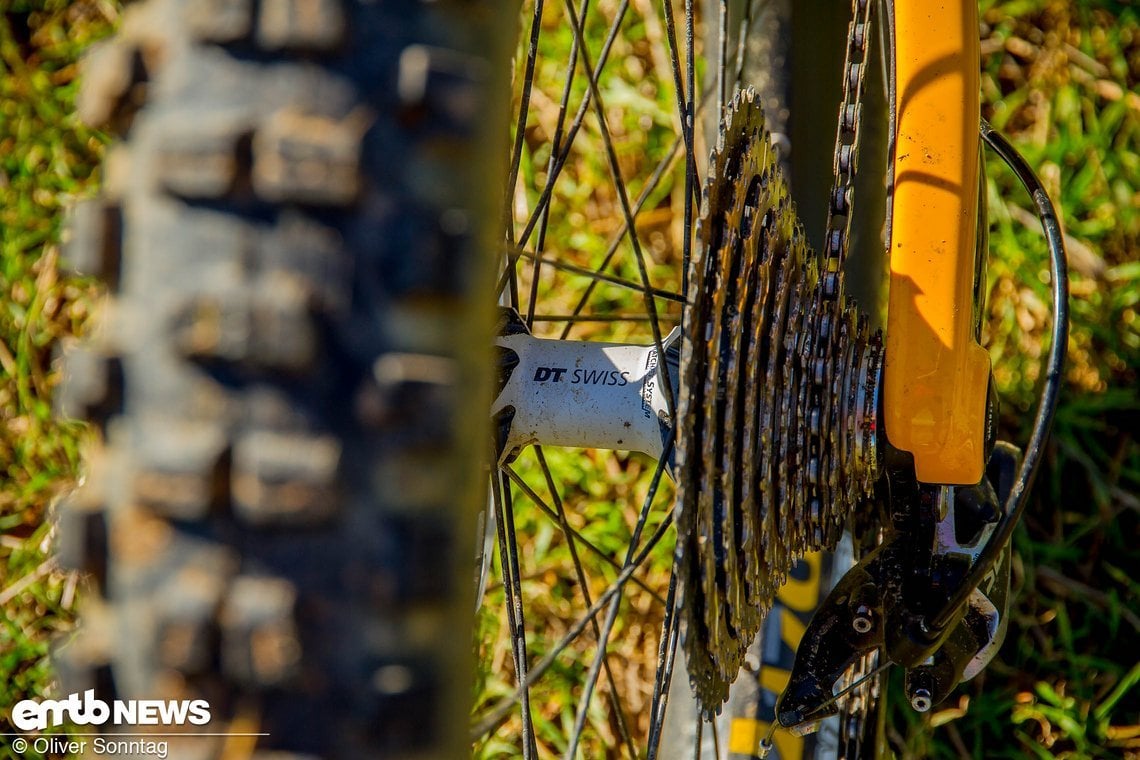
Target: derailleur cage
x=893 y=598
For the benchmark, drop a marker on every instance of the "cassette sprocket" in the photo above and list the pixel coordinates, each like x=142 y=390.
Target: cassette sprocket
x=753 y=495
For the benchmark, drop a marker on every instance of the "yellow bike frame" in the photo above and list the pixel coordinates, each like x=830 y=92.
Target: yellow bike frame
x=935 y=372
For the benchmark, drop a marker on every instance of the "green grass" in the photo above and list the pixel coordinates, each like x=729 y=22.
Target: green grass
x=47 y=158
x=1060 y=78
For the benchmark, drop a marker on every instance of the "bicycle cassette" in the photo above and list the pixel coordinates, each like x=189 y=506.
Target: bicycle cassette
x=763 y=475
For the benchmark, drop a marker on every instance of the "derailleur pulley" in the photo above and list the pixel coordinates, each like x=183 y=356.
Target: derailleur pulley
x=897 y=599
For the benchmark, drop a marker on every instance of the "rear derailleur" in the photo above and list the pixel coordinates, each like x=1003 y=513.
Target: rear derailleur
x=902 y=598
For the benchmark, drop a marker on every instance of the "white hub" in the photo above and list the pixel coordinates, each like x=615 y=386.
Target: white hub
x=586 y=394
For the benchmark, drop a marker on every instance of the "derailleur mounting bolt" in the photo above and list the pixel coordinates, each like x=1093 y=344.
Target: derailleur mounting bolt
x=920 y=687
x=862 y=621
x=920 y=700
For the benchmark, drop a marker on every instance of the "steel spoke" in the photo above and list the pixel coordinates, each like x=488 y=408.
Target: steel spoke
x=663 y=167
x=690 y=121
x=741 y=49
x=583 y=107
x=520 y=130
x=721 y=62
x=579 y=118
x=574 y=319
x=666 y=654
x=497 y=714
x=667 y=295
x=623 y=196
x=554 y=145
x=524 y=107
x=525 y=487
x=615 y=605
x=530 y=245
x=688 y=117
x=615 y=695
x=509 y=559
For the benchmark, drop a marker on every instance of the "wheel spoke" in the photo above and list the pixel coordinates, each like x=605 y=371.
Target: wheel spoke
x=623 y=197
x=685 y=103
x=497 y=714
x=516 y=149
x=663 y=168
x=539 y=502
x=614 y=694
x=690 y=121
x=667 y=295
x=548 y=190
x=555 y=142
x=615 y=604
x=574 y=319
x=721 y=60
x=666 y=654
x=532 y=226
x=509 y=559
x=524 y=110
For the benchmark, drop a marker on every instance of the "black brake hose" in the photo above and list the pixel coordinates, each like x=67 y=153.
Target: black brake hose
x=1047 y=407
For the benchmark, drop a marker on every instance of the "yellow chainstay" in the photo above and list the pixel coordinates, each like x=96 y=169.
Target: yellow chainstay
x=936 y=373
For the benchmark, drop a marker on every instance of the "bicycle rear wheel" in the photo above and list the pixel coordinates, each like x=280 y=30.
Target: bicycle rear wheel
x=602 y=202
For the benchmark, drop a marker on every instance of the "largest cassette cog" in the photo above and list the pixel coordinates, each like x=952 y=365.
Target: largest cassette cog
x=745 y=510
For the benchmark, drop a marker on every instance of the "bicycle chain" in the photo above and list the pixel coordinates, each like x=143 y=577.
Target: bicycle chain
x=830 y=301
x=782 y=380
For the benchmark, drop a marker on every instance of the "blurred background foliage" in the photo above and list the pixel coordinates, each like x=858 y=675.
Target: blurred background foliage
x=1061 y=78
x=47 y=160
